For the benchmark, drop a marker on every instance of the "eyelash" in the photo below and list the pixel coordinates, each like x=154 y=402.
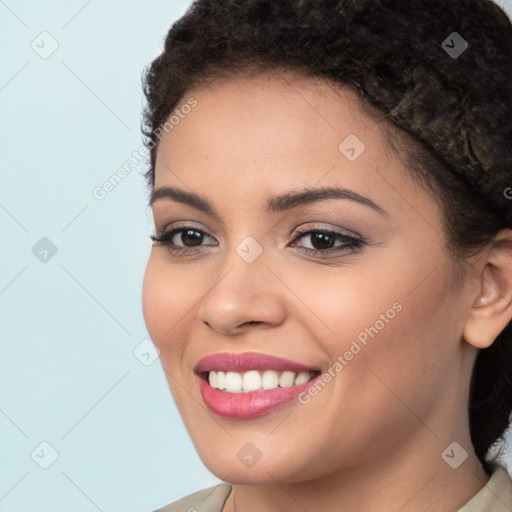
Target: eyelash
x=352 y=243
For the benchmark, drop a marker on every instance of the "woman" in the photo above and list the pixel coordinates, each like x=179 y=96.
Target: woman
x=331 y=275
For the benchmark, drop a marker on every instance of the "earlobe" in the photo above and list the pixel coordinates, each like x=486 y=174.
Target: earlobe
x=492 y=308
x=481 y=301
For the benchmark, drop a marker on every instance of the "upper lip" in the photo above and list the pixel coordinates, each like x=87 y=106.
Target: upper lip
x=232 y=362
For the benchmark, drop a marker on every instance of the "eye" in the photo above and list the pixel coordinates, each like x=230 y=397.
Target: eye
x=189 y=234
x=322 y=240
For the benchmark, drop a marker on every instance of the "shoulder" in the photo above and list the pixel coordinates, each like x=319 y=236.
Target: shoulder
x=495 y=496
x=211 y=499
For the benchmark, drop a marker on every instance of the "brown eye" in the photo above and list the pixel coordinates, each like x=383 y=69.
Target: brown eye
x=323 y=241
x=190 y=237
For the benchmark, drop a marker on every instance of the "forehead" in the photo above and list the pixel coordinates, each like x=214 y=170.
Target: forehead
x=272 y=131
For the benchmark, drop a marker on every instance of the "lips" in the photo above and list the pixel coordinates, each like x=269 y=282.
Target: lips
x=245 y=404
x=232 y=362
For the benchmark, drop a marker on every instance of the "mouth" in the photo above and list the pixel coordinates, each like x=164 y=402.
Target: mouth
x=250 y=384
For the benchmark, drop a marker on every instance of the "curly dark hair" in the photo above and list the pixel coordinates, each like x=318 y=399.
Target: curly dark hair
x=447 y=117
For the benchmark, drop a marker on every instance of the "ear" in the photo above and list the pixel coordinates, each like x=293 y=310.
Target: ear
x=492 y=309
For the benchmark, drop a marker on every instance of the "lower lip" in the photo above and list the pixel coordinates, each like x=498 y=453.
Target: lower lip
x=251 y=404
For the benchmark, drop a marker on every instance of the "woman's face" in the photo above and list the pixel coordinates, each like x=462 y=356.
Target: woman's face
x=382 y=316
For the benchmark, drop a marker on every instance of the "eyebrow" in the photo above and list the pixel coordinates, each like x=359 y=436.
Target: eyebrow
x=281 y=203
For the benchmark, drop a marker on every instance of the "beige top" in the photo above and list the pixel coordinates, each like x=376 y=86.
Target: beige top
x=496 y=496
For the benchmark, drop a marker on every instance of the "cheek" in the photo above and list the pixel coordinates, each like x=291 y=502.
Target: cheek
x=163 y=306
x=151 y=299
x=344 y=304
x=164 y=300
x=170 y=297
x=406 y=345
x=382 y=324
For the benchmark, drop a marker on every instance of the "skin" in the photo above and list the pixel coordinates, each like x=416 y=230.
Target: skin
x=372 y=439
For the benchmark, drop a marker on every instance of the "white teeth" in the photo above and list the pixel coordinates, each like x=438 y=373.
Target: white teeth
x=286 y=379
x=233 y=382
x=270 y=380
x=253 y=380
x=301 y=378
x=221 y=380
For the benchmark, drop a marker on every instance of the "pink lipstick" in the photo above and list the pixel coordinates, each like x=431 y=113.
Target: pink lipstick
x=251 y=384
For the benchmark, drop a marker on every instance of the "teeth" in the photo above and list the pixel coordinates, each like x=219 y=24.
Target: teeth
x=301 y=378
x=233 y=382
x=253 y=380
x=270 y=380
x=221 y=380
x=286 y=380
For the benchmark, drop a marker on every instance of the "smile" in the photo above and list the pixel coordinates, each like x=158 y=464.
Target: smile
x=250 y=384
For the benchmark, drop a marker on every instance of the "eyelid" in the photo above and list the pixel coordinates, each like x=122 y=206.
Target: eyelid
x=306 y=225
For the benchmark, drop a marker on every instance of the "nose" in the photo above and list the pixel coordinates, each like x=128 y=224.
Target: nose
x=245 y=295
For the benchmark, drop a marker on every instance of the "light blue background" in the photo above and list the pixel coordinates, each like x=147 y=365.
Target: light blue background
x=69 y=326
